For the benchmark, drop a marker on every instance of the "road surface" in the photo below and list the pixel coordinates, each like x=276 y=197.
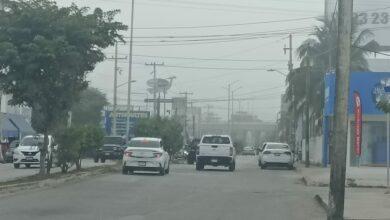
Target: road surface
x=185 y=194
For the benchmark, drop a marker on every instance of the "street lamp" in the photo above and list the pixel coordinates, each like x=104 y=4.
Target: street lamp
x=130 y=72
x=278 y=71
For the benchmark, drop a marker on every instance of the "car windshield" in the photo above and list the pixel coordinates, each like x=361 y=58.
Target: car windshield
x=277 y=147
x=32 y=141
x=145 y=143
x=215 y=140
x=114 y=140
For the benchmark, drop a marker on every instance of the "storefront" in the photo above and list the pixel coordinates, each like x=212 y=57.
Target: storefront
x=373 y=148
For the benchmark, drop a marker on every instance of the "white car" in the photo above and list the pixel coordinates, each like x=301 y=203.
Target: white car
x=27 y=153
x=216 y=150
x=276 y=154
x=145 y=154
x=248 y=151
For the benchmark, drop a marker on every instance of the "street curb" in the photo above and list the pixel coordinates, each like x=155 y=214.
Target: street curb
x=321 y=202
x=53 y=181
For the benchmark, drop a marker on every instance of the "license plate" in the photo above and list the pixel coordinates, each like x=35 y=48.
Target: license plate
x=142 y=164
x=277 y=154
x=107 y=154
x=214 y=160
x=29 y=158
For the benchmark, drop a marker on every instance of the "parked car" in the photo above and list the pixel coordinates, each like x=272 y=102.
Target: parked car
x=248 y=151
x=276 y=154
x=191 y=151
x=216 y=150
x=10 y=151
x=112 y=148
x=145 y=154
x=28 y=151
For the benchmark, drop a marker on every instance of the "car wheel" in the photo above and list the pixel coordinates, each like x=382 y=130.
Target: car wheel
x=162 y=171
x=28 y=165
x=290 y=167
x=96 y=159
x=16 y=165
x=189 y=161
x=199 y=166
x=232 y=166
x=103 y=160
x=263 y=166
x=167 y=170
x=125 y=171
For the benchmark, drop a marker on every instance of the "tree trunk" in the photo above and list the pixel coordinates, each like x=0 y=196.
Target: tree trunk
x=50 y=159
x=78 y=163
x=42 y=170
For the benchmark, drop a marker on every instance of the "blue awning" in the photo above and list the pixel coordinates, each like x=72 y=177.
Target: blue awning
x=13 y=125
x=7 y=128
x=21 y=124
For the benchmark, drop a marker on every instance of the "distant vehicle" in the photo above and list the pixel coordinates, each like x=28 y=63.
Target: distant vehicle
x=28 y=153
x=191 y=151
x=113 y=148
x=275 y=154
x=248 y=151
x=145 y=154
x=216 y=150
x=10 y=152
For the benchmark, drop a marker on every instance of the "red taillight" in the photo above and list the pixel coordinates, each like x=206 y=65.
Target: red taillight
x=128 y=153
x=231 y=151
x=266 y=152
x=157 y=155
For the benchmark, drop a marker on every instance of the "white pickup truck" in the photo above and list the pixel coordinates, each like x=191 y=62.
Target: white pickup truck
x=216 y=150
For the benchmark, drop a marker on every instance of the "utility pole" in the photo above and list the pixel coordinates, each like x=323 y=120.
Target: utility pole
x=130 y=73
x=185 y=112
x=307 y=117
x=114 y=110
x=339 y=139
x=290 y=69
x=229 y=90
x=154 y=64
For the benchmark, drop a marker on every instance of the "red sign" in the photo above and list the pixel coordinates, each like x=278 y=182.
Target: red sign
x=358 y=123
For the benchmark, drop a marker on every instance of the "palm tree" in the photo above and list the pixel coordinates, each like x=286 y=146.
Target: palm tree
x=321 y=49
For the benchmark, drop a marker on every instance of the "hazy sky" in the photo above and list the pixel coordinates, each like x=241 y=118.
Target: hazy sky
x=262 y=88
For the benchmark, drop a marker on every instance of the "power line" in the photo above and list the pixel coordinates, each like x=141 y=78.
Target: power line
x=226 y=25
x=259 y=33
x=211 y=68
x=207 y=59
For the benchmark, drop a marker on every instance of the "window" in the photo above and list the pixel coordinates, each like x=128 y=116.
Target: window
x=145 y=143
x=216 y=140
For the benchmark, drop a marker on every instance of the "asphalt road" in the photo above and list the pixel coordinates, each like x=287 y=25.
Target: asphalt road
x=185 y=194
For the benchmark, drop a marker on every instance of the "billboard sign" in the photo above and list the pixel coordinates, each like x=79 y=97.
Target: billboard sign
x=369 y=85
x=121 y=117
x=373 y=15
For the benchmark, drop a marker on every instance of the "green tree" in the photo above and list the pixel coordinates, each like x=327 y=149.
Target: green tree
x=46 y=52
x=88 y=110
x=169 y=130
x=74 y=142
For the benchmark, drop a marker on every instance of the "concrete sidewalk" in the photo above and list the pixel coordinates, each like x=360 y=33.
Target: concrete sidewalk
x=8 y=172
x=355 y=176
x=363 y=203
x=365 y=196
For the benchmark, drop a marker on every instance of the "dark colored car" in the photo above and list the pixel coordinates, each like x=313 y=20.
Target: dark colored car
x=113 y=149
x=191 y=151
x=10 y=151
